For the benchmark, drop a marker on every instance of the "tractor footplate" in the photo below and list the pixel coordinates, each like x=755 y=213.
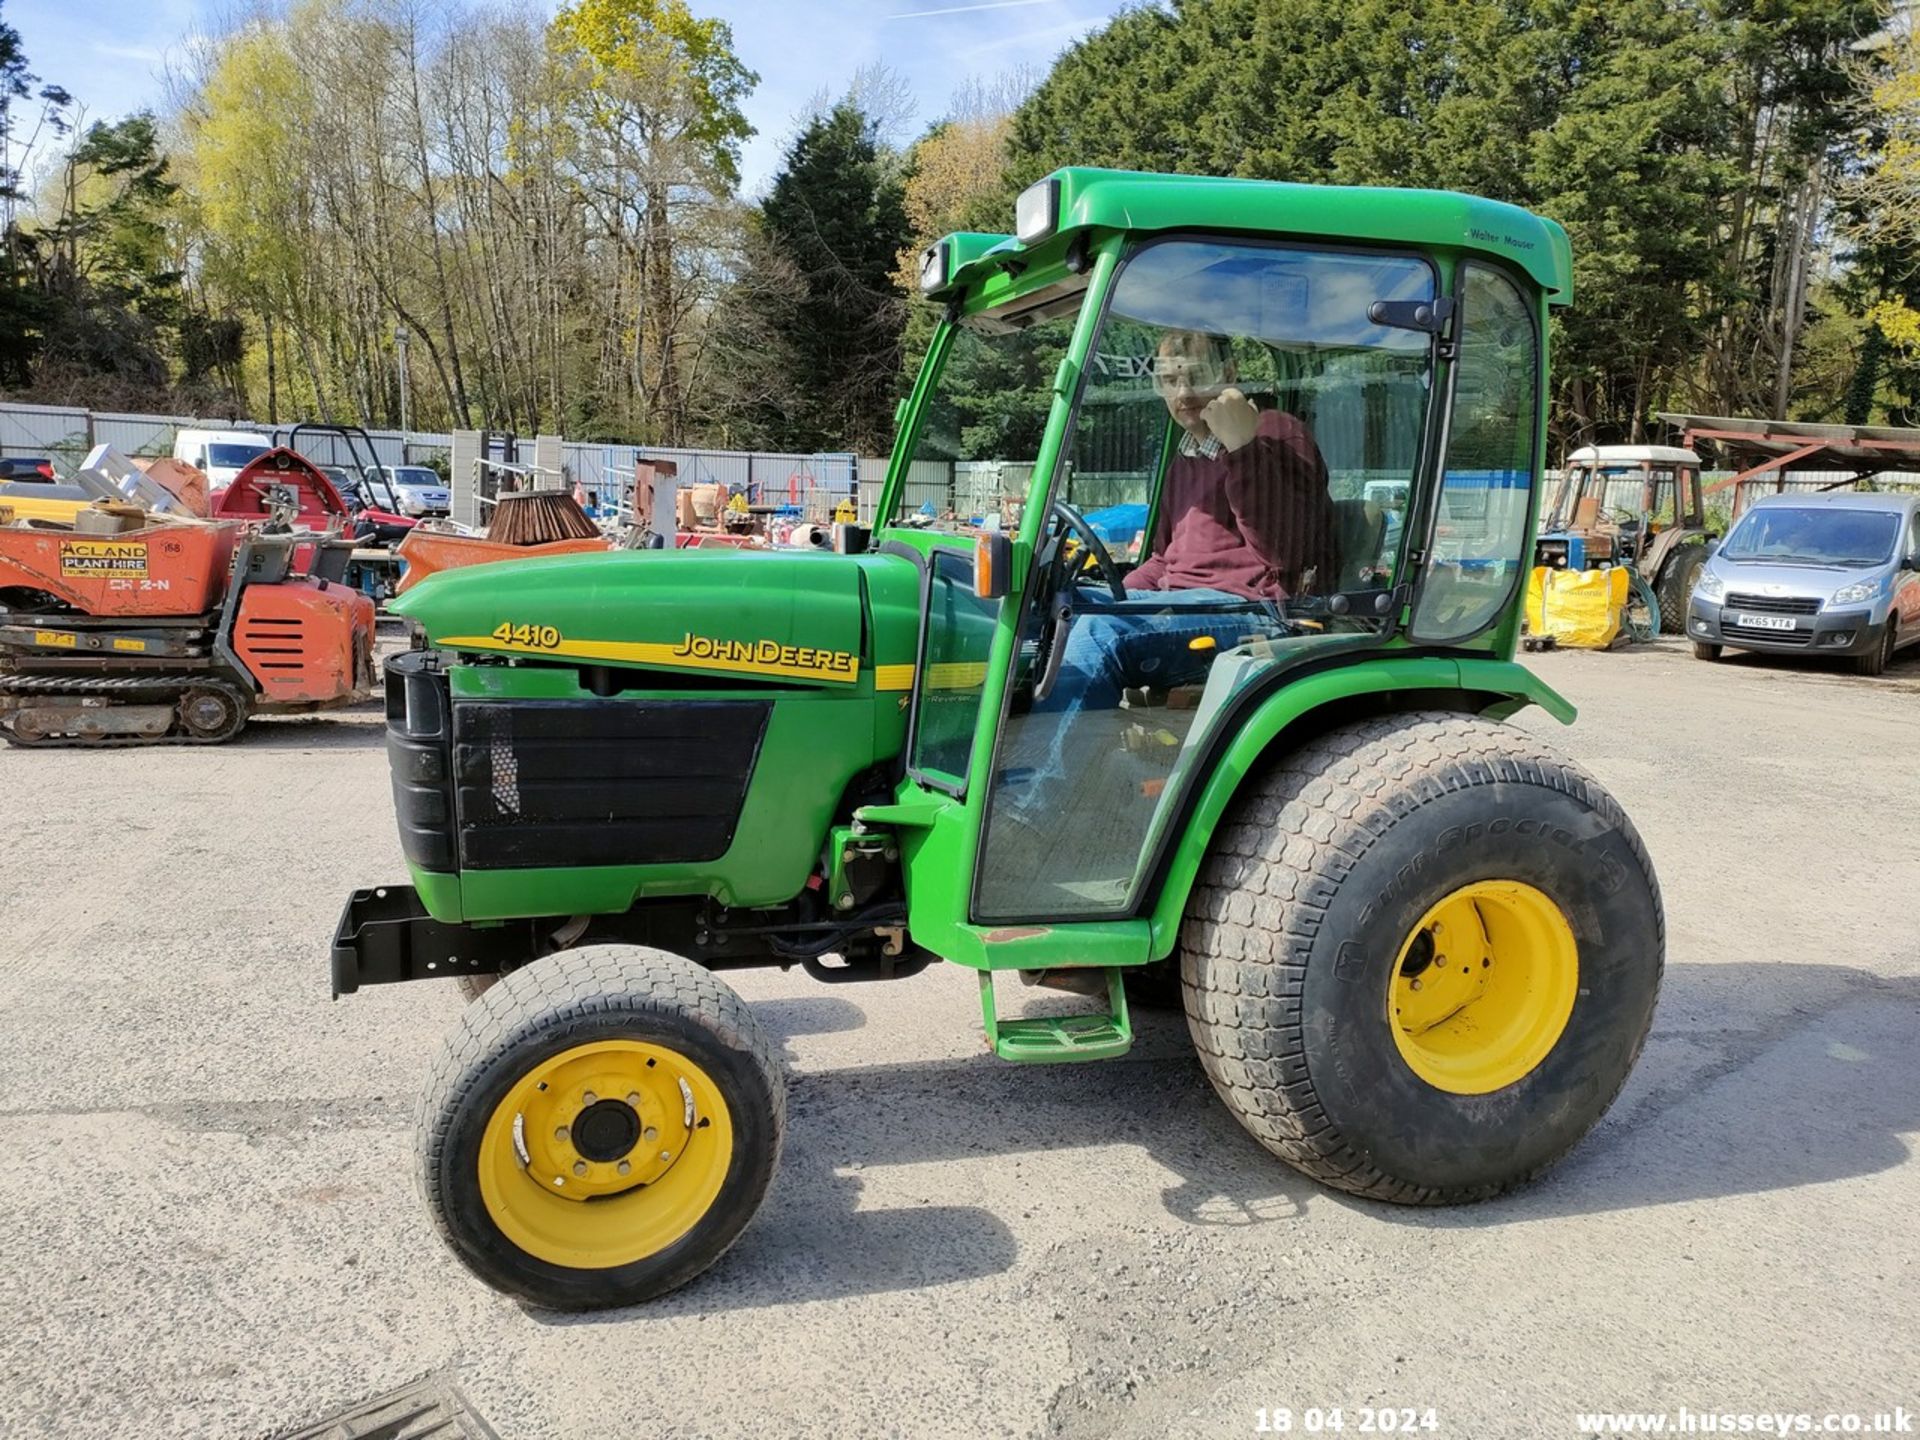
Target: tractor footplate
x=1052 y=1039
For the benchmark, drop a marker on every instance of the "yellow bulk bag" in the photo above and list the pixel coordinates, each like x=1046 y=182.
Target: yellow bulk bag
x=1582 y=609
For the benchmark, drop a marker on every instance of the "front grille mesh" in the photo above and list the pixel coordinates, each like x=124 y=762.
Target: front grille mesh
x=1773 y=604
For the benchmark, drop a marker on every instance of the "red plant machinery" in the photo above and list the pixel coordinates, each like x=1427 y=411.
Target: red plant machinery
x=174 y=632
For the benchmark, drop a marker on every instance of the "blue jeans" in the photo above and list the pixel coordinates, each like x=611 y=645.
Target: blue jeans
x=1145 y=640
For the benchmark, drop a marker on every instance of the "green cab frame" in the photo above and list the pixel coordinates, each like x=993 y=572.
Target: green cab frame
x=1080 y=228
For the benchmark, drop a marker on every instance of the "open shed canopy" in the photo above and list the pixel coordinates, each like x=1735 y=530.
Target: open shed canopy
x=1758 y=447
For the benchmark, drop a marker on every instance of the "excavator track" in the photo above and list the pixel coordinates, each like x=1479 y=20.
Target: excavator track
x=48 y=712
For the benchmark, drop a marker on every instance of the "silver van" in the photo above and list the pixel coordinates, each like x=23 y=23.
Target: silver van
x=1822 y=574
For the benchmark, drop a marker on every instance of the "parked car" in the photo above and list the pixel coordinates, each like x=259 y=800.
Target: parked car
x=422 y=492
x=32 y=469
x=1827 y=574
x=220 y=454
x=373 y=503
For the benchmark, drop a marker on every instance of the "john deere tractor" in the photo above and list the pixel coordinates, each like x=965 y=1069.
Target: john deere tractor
x=1417 y=949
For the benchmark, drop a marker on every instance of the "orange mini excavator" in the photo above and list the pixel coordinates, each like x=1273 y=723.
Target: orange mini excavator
x=172 y=632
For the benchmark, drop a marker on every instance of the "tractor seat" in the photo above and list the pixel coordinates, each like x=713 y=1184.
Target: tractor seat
x=1359 y=531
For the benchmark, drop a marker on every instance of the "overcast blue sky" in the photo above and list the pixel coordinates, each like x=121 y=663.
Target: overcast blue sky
x=111 y=53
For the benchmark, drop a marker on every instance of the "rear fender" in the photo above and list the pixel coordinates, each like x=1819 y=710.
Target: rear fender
x=1309 y=706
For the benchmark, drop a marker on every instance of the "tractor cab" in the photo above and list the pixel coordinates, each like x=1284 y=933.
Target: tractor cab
x=1636 y=505
x=1617 y=501
x=1184 y=471
x=1171 y=670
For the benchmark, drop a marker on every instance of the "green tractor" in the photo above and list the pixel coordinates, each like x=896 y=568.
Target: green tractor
x=1172 y=669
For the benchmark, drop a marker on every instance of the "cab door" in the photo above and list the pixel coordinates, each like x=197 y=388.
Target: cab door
x=1299 y=393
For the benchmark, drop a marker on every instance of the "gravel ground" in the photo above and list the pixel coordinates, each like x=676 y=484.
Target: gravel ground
x=208 y=1224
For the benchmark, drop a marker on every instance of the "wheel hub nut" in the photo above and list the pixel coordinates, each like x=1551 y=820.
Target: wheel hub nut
x=606 y=1131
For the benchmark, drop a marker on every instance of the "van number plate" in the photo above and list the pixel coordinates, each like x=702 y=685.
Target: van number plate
x=1765 y=622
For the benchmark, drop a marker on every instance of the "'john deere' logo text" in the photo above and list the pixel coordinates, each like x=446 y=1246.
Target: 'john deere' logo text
x=764 y=655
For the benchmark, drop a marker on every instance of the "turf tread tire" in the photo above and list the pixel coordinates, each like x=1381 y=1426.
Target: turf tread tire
x=572 y=998
x=1262 y=895
x=472 y=987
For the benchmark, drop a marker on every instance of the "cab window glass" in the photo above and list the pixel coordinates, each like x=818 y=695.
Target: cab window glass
x=1480 y=537
x=959 y=636
x=980 y=429
x=1282 y=421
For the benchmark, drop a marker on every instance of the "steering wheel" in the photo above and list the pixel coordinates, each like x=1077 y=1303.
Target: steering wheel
x=1071 y=520
x=1055 y=598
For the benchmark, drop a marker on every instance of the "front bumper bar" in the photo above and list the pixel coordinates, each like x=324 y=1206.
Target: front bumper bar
x=1843 y=632
x=385 y=935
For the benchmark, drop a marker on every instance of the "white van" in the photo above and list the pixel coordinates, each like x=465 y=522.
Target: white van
x=220 y=454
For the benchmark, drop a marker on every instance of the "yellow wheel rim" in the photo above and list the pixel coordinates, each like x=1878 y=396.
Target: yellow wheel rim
x=605 y=1154
x=1483 y=987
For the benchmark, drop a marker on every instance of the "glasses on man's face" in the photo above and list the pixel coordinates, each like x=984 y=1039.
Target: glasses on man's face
x=1198 y=373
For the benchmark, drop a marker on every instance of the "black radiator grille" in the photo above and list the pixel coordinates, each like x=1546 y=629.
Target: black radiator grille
x=601 y=782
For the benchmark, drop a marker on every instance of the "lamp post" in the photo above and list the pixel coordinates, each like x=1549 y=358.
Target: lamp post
x=400 y=349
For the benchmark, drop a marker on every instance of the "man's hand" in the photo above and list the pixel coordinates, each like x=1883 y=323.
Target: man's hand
x=1232 y=418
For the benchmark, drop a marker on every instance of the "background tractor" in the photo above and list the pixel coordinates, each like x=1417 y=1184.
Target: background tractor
x=1418 y=950
x=1634 y=505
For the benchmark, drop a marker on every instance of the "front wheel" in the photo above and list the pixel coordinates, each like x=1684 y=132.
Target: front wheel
x=1704 y=651
x=600 y=1128
x=1876 y=660
x=1422 y=957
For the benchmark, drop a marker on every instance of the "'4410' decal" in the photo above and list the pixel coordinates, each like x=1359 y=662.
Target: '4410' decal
x=534 y=637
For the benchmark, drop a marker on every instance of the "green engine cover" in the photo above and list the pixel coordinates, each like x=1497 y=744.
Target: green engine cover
x=782 y=617
x=824 y=644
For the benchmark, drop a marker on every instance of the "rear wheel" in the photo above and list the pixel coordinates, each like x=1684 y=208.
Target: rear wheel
x=600 y=1128
x=1677 y=579
x=1876 y=660
x=1422 y=958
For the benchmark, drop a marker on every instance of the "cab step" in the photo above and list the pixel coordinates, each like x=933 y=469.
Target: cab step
x=1057 y=1039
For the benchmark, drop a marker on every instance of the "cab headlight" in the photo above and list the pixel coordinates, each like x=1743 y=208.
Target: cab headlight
x=933 y=267
x=1710 y=587
x=1857 y=593
x=1036 y=213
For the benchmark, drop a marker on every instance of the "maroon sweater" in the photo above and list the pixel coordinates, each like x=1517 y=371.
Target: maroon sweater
x=1251 y=521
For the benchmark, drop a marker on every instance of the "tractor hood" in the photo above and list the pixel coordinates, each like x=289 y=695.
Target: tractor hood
x=784 y=617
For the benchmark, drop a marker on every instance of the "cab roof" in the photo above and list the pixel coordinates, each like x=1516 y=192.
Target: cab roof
x=1091 y=199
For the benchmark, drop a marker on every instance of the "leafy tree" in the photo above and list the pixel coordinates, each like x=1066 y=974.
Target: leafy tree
x=835 y=215
x=106 y=261
x=23 y=303
x=1635 y=165
x=1691 y=147
x=655 y=94
x=955 y=179
x=1879 y=213
x=1861 y=389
